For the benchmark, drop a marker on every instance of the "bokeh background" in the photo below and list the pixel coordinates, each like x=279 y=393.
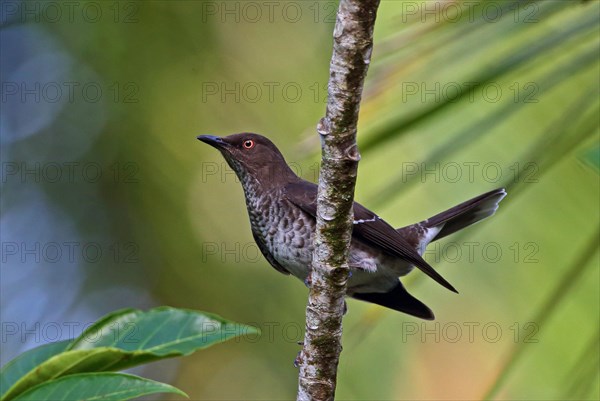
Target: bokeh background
x=109 y=201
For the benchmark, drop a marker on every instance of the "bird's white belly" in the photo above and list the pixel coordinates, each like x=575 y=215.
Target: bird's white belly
x=369 y=273
x=297 y=265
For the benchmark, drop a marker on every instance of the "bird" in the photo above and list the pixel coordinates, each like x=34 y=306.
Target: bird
x=282 y=208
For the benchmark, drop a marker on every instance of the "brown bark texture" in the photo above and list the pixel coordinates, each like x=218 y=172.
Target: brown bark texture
x=352 y=47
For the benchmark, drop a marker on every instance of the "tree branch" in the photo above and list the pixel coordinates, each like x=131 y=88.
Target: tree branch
x=353 y=43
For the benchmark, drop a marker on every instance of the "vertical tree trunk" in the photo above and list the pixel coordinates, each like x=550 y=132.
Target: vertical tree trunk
x=353 y=43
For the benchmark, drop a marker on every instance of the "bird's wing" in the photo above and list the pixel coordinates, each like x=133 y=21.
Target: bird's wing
x=368 y=227
x=268 y=255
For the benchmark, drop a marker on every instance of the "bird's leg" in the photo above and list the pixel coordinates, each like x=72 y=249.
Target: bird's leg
x=308 y=280
x=345 y=304
x=298 y=360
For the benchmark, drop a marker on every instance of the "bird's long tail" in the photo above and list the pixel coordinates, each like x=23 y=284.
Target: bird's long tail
x=453 y=219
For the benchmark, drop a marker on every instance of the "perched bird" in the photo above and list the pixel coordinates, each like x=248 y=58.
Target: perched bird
x=282 y=209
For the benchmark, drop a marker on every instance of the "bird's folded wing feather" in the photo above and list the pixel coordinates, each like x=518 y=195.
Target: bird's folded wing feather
x=368 y=227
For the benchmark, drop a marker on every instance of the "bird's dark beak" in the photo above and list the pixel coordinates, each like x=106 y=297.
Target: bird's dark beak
x=213 y=141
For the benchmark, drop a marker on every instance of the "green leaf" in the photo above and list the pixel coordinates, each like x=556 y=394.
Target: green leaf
x=461 y=53
x=18 y=367
x=130 y=337
x=65 y=363
x=96 y=386
x=592 y=157
x=546 y=311
x=163 y=331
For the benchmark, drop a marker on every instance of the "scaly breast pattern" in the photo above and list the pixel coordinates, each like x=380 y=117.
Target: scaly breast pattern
x=285 y=230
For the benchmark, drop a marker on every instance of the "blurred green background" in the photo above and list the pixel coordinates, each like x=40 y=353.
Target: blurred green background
x=109 y=201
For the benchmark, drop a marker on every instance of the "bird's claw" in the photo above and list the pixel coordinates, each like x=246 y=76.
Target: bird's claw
x=298 y=359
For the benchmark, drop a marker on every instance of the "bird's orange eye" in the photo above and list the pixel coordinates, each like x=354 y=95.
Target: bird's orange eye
x=249 y=144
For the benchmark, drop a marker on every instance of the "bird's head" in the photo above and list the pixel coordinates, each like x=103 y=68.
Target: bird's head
x=251 y=156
